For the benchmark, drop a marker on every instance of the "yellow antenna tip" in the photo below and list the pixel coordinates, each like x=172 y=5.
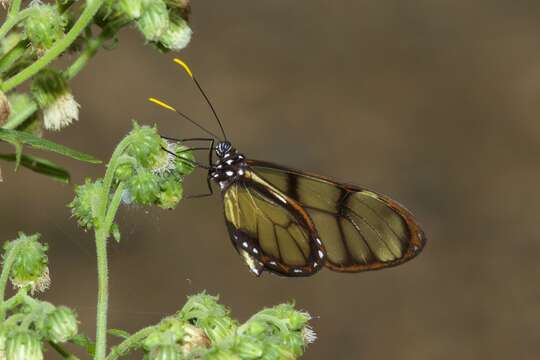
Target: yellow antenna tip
x=162 y=104
x=184 y=65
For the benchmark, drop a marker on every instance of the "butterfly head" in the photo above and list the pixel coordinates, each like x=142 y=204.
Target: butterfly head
x=224 y=149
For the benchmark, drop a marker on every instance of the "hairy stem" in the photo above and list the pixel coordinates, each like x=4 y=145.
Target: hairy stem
x=9 y=259
x=130 y=343
x=63 y=352
x=103 y=294
x=58 y=48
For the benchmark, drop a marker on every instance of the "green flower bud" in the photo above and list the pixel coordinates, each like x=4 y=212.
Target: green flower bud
x=123 y=172
x=171 y=193
x=248 y=347
x=219 y=328
x=294 y=342
x=184 y=161
x=131 y=8
x=24 y=345
x=145 y=145
x=166 y=352
x=164 y=161
x=275 y=351
x=30 y=266
x=202 y=306
x=51 y=91
x=143 y=187
x=154 y=20
x=84 y=206
x=61 y=325
x=44 y=26
x=221 y=354
x=255 y=327
x=177 y=35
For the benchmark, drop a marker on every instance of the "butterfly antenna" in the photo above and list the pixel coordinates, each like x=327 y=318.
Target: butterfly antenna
x=169 y=107
x=190 y=73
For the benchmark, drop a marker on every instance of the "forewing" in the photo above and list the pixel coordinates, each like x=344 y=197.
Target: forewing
x=270 y=230
x=360 y=229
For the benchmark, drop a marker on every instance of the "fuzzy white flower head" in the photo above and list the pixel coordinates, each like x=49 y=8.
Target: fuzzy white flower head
x=61 y=113
x=39 y=285
x=165 y=161
x=177 y=36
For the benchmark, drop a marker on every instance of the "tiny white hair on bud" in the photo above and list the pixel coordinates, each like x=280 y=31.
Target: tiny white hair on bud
x=61 y=113
x=309 y=335
x=39 y=285
x=177 y=37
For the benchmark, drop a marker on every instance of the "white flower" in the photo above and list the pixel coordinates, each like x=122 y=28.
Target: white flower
x=61 y=113
x=177 y=36
x=39 y=285
x=309 y=335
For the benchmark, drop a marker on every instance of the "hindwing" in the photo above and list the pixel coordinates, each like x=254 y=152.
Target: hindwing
x=360 y=229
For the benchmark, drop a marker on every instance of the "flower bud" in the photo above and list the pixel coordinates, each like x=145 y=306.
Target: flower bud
x=143 y=187
x=145 y=144
x=24 y=345
x=194 y=338
x=221 y=354
x=61 y=325
x=154 y=19
x=51 y=91
x=123 y=171
x=44 y=26
x=276 y=351
x=131 y=8
x=177 y=35
x=84 y=206
x=166 y=352
x=248 y=347
x=30 y=265
x=184 y=163
x=171 y=193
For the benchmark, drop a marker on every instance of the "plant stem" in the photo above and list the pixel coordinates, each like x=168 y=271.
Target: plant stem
x=103 y=294
x=130 y=343
x=59 y=47
x=65 y=354
x=12 y=20
x=106 y=214
x=70 y=73
x=9 y=259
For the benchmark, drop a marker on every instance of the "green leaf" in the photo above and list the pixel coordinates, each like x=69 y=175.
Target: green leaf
x=19 y=138
x=119 y=333
x=41 y=166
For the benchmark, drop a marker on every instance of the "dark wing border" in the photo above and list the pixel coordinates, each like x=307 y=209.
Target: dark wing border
x=417 y=238
x=317 y=259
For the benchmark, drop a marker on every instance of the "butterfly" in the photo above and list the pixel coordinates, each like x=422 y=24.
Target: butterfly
x=293 y=223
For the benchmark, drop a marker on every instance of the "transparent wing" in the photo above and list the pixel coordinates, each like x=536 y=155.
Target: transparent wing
x=360 y=229
x=270 y=230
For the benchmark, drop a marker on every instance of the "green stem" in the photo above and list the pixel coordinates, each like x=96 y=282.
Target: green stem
x=103 y=294
x=106 y=214
x=130 y=343
x=13 y=55
x=58 y=48
x=13 y=20
x=70 y=73
x=9 y=260
x=63 y=352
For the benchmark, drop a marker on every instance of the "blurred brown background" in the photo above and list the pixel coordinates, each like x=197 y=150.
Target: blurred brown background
x=434 y=103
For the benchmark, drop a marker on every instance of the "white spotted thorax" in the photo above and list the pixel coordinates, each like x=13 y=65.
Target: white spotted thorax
x=229 y=167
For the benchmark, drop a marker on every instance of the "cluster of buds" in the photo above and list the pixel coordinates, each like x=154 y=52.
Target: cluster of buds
x=162 y=22
x=31 y=322
x=203 y=329
x=150 y=169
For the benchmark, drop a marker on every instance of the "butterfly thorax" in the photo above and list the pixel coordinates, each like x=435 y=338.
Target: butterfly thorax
x=230 y=166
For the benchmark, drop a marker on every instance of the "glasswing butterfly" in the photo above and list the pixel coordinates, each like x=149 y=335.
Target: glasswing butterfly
x=293 y=223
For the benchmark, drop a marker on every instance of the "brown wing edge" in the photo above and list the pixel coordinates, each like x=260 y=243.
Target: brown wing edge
x=417 y=238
